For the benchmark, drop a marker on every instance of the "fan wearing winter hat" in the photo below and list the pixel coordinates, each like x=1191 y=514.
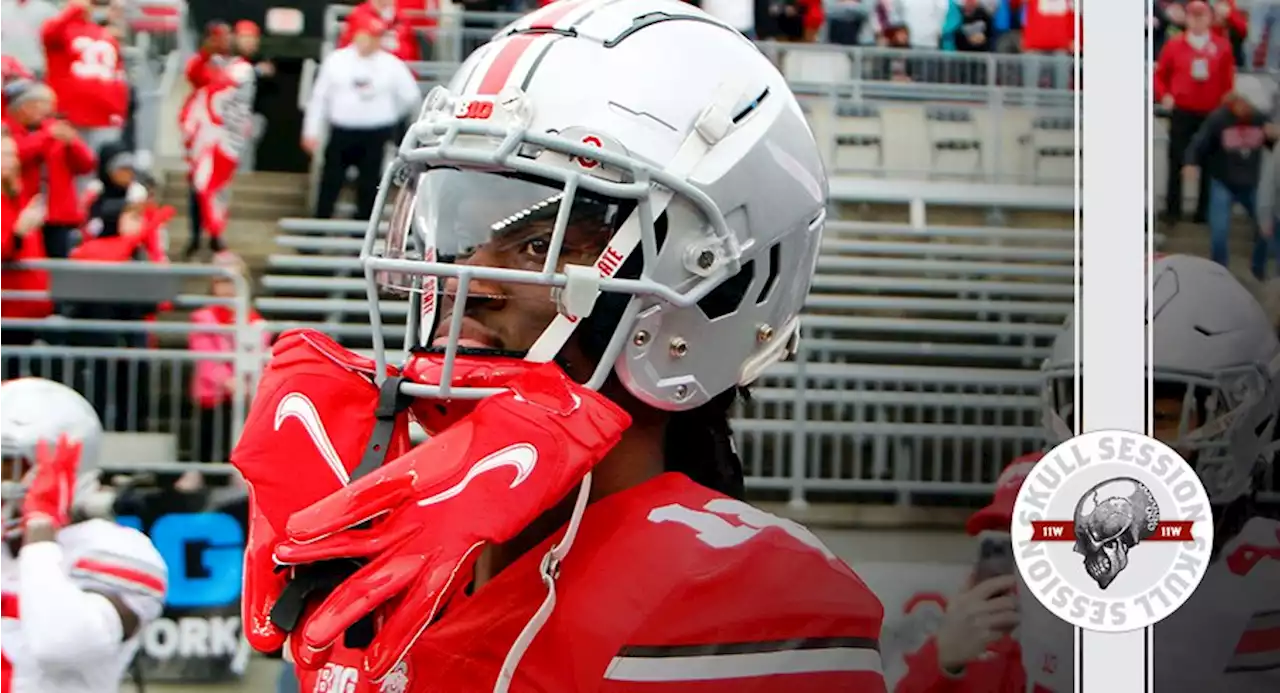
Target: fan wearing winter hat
x=1228 y=149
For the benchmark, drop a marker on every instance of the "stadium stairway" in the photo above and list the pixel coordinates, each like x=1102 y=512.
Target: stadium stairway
x=258 y=200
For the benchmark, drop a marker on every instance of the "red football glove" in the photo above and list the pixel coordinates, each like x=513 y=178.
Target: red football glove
x=436 y=415
x=50 y=493
x=306 y=432
x=437 y=506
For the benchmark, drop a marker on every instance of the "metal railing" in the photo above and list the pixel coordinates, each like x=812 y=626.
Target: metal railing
x=138 y=374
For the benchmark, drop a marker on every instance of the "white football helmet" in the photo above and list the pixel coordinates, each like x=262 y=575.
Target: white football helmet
x=1209 y=334
x=35 y=410
x=660 y=127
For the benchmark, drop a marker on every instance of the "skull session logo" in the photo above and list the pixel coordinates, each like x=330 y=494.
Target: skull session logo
x=1112 y=531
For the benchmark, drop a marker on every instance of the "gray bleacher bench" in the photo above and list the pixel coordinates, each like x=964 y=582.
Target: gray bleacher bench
x=859 y=302
x=833 y=349
x=312 y=263
x=326 y=226
x=1038 y=197
x=954 y=268
x=914 y=285
x=277 y=305
x=953 y=250
x=882 y=398
x=314 y=284
x=933 y=376
x=838 y=228
x=919 y=195
x=352 y=245
x=858 y=323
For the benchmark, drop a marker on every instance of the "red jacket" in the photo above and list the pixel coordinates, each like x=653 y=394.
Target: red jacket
x=1174 y=74
x=13 y=249
x=202 y=68
x=50 y=165
x=121 y=248
x=1001 y=673
x=85 y=69
x=1050 y=26
x=399 y=39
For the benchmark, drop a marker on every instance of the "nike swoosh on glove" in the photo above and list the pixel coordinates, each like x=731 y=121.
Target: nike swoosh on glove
x=437 y=506
x=49 y=495
x=306 y=432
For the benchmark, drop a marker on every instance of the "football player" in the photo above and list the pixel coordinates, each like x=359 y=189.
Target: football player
x=77 y=589
x=605 y=227
x=1216 y=372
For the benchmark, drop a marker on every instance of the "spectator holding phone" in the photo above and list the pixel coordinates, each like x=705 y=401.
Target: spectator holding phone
x=982 y=618
x=52 y=156
x=87 y=72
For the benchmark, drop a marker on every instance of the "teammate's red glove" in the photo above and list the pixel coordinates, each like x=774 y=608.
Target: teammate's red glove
x=308 y=429
x=437 y=506
x=50 y=493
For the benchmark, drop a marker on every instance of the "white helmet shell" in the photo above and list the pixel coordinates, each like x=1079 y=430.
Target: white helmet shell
x=655 y=103
x=1211 y=335
x=35 y=410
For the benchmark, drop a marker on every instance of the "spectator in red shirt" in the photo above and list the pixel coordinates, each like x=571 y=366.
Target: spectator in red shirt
x=21 y=217
x=201 y=70
x=398 y=39
x=87 y=72
x=52 y=156
x=1195 y=72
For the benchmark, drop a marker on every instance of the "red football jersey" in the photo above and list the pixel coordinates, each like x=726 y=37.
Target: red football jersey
x=85 y=70
x=669 y=586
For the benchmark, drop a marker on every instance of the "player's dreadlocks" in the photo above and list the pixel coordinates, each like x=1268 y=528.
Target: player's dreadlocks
x=700 y=445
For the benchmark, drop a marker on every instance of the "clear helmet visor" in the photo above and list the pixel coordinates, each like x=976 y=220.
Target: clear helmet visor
x=506 y=238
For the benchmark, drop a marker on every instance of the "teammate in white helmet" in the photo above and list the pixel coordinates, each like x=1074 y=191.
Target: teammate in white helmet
x=77 y=589
x=1216 y=372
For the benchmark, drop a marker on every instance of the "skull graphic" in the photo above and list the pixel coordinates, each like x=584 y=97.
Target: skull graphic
x=1111 y=519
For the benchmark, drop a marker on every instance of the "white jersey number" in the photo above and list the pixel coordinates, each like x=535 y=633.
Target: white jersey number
x=95 y=59
x=716 y=531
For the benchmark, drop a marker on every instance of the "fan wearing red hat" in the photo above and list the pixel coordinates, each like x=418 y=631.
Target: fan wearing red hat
x=980 y=619
x=397 y=38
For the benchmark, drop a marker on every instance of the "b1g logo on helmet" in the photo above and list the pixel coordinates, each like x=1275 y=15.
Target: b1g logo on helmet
x=1112 y=531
